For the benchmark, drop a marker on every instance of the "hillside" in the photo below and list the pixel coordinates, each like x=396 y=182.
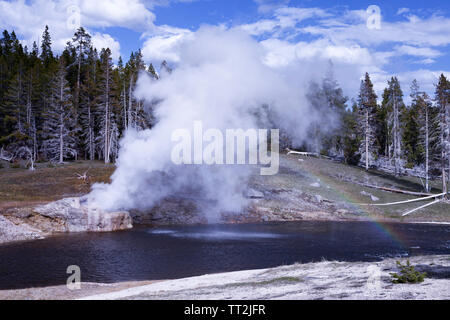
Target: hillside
x=304 y=189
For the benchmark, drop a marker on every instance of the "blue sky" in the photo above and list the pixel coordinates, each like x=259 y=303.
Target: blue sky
x=412 y=41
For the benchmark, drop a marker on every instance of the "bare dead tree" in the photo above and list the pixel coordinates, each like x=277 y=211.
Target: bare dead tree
x=86 y=179
x=4 y=155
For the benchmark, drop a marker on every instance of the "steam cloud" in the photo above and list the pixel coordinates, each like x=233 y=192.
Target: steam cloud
x=222 y=80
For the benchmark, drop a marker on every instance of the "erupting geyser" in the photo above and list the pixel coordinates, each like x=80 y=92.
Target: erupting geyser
x=223 y=81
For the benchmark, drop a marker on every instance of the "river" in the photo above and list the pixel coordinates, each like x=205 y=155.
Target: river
x=183 y=251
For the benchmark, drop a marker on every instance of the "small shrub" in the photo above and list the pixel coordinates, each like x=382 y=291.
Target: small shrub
x=408 y=274
x=1 y=165
x=16 y=165
x=409 y=165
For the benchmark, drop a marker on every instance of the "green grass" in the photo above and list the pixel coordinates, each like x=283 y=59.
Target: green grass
x=301 y=174
x=20 y=187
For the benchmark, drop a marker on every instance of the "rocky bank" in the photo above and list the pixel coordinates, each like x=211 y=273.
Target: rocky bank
x=297 y=192
x=66 y=215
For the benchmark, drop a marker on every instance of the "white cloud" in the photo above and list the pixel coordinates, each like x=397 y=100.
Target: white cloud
x=164 y=44
x=338 y=35
x=283 y=18
x=402 y=11
x=426 y=61
x=265 y=6
x=260 y=27
x=417 y=51
x=415 y=31
x=281 y=53
x=427 y=79
x=125 y=13
x=344 y=38
x=28 y=18
x=104 y=40
x=349 y=62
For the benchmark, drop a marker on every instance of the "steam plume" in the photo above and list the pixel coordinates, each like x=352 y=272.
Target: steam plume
x=222 y=80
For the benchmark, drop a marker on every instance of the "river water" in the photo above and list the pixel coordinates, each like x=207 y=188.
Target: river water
x=175 y=252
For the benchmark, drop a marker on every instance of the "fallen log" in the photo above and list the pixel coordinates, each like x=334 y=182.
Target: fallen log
x=306 y=154
x=412 y=193
x=401 y=202
x=421 y=207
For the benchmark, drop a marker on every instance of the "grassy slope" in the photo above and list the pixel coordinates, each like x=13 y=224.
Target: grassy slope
x=20 y=187
x=301 y=173
x=328 y=172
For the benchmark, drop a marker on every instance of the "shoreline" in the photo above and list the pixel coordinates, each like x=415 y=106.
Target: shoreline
x=368 y=281
x=329 y=280
x=41 y=236
x=302 y=191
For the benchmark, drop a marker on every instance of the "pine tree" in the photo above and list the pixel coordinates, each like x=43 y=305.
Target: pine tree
x=108 y=134
x=382 y=130
x=81 y=43
x=318 y=103
x=13 y=109
x=136 y=116
x=60 y=136
x=165 y=69
x=412 y=146
x=352 y=140
x=48 y=66
x=395 y=102
x=46 y=48
x=88 y=105
x=422 y=100
x=151 y=70
x=328 y=103
x=442 y=99
x=367 y=104
x=336 y=105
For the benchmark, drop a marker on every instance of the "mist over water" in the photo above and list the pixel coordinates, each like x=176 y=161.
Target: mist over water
x=219 y=235
x=222 y=80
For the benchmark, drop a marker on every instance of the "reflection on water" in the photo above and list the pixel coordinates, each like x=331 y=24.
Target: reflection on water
x=175 y=252
x=217 y=235
x=157 y=231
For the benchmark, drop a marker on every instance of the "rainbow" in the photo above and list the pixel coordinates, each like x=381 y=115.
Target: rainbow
x=381 y=226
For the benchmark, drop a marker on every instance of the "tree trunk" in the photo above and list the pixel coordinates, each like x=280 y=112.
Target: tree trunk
x=447 y=125
x=396 y=139
x=107 y=116
x=77 y=91
x=443 y=148
x=427 y=188
x=61 y=123
x=367 y=139
x=130 y=103
x=19 y=91
x=61 y=139
x=125 y=111
x=90 y=134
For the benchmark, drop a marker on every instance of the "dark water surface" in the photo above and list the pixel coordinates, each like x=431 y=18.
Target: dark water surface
x=174 y=252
